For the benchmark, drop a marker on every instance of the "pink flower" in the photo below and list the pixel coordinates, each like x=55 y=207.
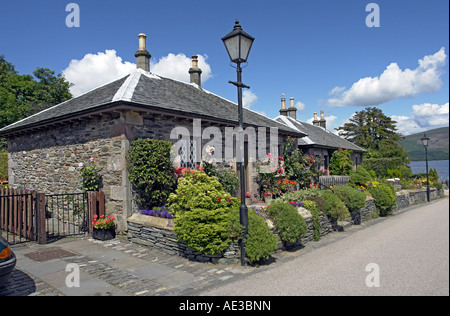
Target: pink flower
x=80 y=165
x=91 y=159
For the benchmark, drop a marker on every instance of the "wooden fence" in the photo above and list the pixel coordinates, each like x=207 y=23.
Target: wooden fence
x=29 y=215
x=333 y=180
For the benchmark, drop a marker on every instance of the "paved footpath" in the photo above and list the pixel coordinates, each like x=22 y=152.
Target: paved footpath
x=121 y=268
x=110 y=268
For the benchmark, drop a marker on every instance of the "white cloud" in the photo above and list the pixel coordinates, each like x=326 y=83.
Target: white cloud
x=423 y=117
x=427 y=114
x=300 y=106
x=393 y=83
x=406 y=126
x=177 y=66
x=94 y=70
x=248 y=99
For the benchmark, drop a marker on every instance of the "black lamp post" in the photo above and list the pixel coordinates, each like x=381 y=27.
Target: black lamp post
x=425 y=140
x=238 y=45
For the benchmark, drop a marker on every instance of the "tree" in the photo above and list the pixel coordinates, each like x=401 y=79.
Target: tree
x=369 y=127
x=24 y=95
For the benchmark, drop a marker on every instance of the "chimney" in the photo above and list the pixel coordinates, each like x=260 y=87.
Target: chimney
x=142 y=55
x=322 y=121
x=195 y=72
x=283 y=110
x=292 y=111
x=315 y=121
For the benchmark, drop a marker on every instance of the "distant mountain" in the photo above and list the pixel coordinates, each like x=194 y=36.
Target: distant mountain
x=437 y=148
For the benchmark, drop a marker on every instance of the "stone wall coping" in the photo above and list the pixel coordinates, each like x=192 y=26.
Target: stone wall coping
x=151 y=221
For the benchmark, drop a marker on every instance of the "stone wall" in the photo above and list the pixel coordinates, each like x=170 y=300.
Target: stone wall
x=47 y=160
x=158 y=232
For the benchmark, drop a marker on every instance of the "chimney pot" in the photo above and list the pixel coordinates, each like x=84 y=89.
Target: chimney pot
x=315 y=121
x=195 y=72
x=322 y=122
x=292 y=111
x=142 y=55
x=283 y=110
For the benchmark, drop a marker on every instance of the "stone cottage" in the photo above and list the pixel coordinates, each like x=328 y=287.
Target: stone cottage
x=45 y=149
x=318 y=141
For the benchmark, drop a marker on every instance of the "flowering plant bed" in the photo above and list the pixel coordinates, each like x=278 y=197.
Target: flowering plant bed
x=162 y=212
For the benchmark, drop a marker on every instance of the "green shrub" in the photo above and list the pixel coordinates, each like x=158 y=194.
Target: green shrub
x=229 y=180
x=299 y=195
x=3 y=164
x=340 y=162
x=334 y=206
x=290 y=225
x=359 y=178
x=353 y=198
x=260 y=241
x=151 y=171
x=320 y=203
x=312 y=207
x=381 y=198
x=384 y=196
x=438 y=185
x=202 y=213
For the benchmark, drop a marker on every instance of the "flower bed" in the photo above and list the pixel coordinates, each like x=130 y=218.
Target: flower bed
x=162 y=212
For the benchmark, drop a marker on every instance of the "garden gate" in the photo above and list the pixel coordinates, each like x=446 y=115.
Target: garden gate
x=34 y=216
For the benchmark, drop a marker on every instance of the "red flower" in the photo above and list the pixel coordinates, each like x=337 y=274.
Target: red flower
x=229 y=200
x=219 y=199
x=95 y=216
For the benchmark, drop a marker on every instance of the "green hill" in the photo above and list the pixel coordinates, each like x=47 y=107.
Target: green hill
x=437 y=148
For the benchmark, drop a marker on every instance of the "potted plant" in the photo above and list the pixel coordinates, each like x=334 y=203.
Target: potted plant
x=248 y=198
x=104 y=227
x=267 y=196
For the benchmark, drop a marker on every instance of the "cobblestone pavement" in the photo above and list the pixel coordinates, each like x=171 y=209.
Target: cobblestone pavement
x=110 y=268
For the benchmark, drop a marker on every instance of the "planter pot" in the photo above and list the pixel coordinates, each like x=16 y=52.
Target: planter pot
x=104 y=234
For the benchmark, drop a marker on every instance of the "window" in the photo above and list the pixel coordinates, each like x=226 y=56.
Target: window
x=188 y=154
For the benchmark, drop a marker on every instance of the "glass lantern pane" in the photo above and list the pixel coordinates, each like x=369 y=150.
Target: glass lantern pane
x=246 y=45
x=232 y=46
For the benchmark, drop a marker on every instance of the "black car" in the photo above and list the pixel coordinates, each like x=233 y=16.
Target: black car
x=7 y=262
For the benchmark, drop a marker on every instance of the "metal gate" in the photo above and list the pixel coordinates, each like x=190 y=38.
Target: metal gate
x=34 y=216
x=66 y=214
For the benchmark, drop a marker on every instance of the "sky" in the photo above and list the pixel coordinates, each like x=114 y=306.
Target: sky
x=336 y=56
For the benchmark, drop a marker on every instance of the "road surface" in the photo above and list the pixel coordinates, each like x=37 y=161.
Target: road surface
x=403 y=254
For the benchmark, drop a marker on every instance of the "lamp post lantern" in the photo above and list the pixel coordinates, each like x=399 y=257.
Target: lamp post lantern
x=425 y=141
x=238 y=44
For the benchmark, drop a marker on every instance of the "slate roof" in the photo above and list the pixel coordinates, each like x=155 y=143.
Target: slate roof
x=318 y=136
x=149 y=91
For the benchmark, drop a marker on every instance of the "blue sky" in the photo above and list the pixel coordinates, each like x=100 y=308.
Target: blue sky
x=320 y=52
